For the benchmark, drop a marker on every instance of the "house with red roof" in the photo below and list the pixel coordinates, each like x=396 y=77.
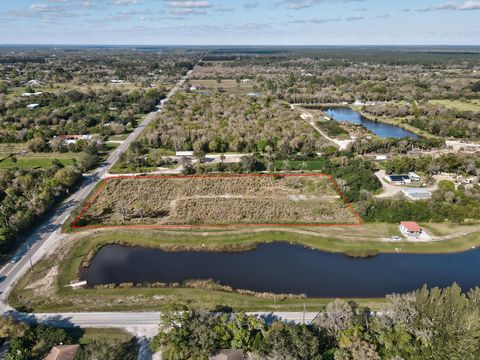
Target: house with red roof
x=410 y=228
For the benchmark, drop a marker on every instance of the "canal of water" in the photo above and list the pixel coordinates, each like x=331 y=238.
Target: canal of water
x=286 y=268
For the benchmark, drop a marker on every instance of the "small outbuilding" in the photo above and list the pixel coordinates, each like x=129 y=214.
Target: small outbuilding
x=410 y=228
x=32 y=106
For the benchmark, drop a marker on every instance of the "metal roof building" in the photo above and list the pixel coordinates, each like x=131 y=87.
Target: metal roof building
x=417 y=193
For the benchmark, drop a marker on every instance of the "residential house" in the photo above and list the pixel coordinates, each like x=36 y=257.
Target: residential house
x=410 y=228
x=62 y=352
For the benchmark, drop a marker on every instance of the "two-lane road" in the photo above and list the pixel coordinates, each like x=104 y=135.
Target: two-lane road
x=45 y=238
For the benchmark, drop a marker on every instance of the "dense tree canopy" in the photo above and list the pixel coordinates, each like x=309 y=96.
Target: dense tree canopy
x=426 y=324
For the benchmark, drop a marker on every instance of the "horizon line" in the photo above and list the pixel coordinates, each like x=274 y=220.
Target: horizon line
x=243 y=45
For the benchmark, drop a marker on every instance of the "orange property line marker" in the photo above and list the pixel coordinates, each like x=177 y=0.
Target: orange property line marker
x=106 y=180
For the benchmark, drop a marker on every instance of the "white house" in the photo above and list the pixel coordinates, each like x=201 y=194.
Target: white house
x=33 y=82
x=116 y=81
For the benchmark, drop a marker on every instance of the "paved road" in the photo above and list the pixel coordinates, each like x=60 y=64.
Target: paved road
x=48 y=234
x=140 y=319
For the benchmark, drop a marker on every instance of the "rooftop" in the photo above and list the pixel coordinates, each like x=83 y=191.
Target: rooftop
x=62 y=352
x=417 y=192
x=411 y=226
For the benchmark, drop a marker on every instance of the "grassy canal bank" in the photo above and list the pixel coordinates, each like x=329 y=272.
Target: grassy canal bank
x=47 y=290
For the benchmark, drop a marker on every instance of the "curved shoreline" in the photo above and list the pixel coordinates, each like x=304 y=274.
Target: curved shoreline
x=244 y=240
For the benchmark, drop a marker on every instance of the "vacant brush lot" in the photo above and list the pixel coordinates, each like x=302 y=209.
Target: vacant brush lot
x=217 y=201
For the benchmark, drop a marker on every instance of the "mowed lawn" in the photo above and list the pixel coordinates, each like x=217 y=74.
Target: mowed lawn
x=25 y=162
x=469 y=105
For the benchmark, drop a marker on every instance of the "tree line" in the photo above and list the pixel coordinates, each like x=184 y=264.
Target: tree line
x=425 y=324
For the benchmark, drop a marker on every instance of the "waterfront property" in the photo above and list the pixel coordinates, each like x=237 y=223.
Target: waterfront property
x=417 y=193
x=410 y=228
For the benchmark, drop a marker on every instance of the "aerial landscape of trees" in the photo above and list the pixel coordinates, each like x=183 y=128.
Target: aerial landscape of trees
x=242 y=112
x=223 y=123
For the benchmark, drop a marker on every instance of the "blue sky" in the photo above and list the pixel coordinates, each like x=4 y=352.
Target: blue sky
x=240 y=22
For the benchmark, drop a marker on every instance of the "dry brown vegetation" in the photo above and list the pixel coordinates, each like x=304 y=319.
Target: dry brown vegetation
x=217 y=200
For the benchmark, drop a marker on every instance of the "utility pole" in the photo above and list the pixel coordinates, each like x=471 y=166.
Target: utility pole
x=304 y=308
x=30 y=258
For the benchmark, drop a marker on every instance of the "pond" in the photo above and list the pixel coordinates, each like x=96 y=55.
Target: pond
x=285 y=268
x=345 y=114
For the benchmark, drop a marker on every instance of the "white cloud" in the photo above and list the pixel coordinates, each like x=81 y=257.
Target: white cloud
x=188 y=4
x=125 y=2
x=301 y=4
x=465 y=6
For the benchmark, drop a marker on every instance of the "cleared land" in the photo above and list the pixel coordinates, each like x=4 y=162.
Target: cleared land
x=228 y=85
x=217 y=200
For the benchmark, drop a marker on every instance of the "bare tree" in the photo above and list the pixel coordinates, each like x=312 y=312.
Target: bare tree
x=123 y=208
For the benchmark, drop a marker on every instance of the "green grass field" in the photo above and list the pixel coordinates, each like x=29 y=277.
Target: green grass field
x=24 y=162
x=31 y=160
x=470 y=105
